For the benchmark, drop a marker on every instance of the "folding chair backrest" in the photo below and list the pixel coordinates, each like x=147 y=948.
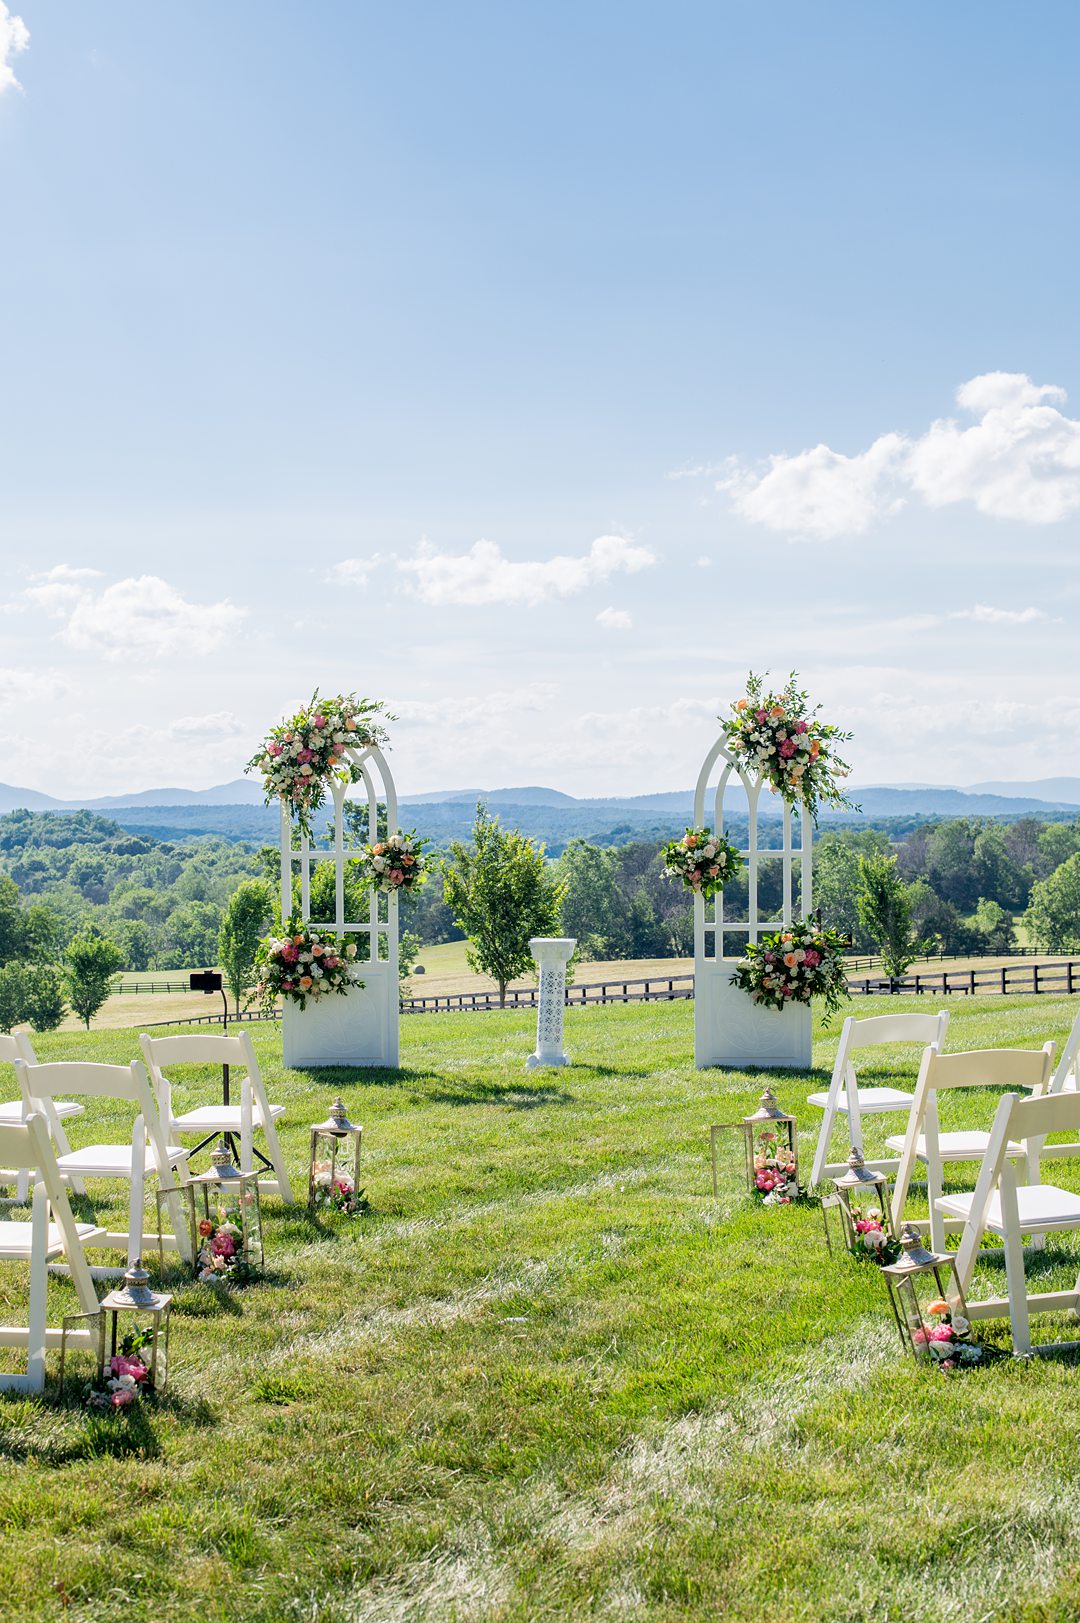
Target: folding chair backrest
x=1067 y=1065
x=26 y=1145
x=202 y=1050
x=978 y=1068
x=42 y=1083
x=896 y=1028
x=195 y=1050
x=990 y=1068
x=16 y=1045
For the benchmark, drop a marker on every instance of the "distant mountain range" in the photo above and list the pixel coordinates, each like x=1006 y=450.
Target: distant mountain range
x=236 y=811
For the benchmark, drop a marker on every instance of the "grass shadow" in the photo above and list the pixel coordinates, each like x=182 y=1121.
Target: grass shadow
x=516 y=1095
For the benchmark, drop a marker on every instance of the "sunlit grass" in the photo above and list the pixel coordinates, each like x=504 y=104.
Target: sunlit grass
x=549 y=1376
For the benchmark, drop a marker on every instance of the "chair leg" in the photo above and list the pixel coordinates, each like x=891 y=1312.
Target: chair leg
x=277 y=1160
x=39 y=1277
x=817 y=1172
x=138 y=1192
x=1018 y=1299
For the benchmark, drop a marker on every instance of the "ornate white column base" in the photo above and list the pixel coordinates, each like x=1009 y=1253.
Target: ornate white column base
x=552 y=953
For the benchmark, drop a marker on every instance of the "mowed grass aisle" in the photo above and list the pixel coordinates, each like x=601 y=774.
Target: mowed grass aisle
x=550 y=1377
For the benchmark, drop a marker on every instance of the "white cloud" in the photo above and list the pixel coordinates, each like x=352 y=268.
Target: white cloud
x=142 y=616
x=1020 y=460
x=615 y=619
x=991 y=616
x=483 y=575
x=820 y=492
x=29 y=687
x=14 y=38
x=219 y=724
x=349 y=572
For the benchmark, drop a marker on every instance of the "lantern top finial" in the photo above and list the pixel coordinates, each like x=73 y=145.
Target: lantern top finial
x=916 y=1258
x=767 y=1110
x=135 y=1291
x=222 y=1163
x=337 y=1123
x=858 y=1174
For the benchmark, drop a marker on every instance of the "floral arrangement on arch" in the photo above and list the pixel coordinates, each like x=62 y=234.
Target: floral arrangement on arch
x=776 y=1177
x=299 y=758
x=400 y=862
x=301 y=963
x=793 y=966
x=221 y=1259
x=337 y=1193
x=948 y=1344
x=779 y=736
x=128 y=1376
x=702 y=860
x=872 y=1239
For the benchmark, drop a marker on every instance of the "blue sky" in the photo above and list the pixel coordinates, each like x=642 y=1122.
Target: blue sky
x=539 y=369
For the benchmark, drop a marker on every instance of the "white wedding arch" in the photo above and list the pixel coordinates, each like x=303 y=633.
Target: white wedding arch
x=362 y=1027
x=729 y=1029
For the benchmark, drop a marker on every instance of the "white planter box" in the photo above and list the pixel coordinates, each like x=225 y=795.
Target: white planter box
x=731 y=1030
x=356 y=1029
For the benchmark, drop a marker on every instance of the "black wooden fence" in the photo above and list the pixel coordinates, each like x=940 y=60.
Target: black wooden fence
x=1062 y=977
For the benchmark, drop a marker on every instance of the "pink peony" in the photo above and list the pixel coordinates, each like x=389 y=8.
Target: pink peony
x=942 y=1333
x=800 y=726
x=759 y=716
x=319 y=721
x=273 y=749
x=812 y=958
x=304 y=756
x=223 y=1245
x=787 y=749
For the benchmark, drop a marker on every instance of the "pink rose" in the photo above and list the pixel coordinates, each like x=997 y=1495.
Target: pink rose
x=287 y=986
x=339 y=749
x=121 y=1399
x=223 y=1245
x=942 y=1333
x=304 y=756
x=396 y=876
x=273 y=749
x=800 y=726
x=759 y=716
x=812 y=958
x=319 y=721
x=919 y=1338
x=787 y=749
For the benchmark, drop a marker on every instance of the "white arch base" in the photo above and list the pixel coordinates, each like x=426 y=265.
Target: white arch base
x=356 y=1029
x=728 y=1028
x=361 y=1027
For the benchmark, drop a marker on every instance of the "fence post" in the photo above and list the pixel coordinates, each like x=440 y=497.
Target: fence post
x=1034 y=977
x=1069 y=976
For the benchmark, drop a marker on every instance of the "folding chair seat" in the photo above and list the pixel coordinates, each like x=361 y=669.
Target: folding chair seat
x=1002 y=1206
x=144 y=1157
x=26 y=1145
x=846 y=1096
x=17 y=1046
x=253 y=1114
x=924 y=1142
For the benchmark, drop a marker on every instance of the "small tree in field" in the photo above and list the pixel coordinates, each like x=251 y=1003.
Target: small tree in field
x=502 y=892
x=90 y=963
x=884 y=905
x=246 y=918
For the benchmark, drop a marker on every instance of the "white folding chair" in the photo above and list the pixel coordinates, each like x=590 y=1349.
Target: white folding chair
x=253 y=1113
x=846 y=1097
x=145 y=1155
x=17 y=1046
x=26 y=1145
x=1065 y=1080
x=1002 y=1206
x=924 y=1142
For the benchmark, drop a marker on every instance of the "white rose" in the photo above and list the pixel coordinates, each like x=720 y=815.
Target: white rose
x=960 y=1325
x=874 y=1239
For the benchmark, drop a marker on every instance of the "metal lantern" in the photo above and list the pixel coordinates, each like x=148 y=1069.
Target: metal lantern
x=150 y=1316
x=225 y=1220
x=770 y=1148
x=861 y=1195
x=917 y=1285
x=334 y=1168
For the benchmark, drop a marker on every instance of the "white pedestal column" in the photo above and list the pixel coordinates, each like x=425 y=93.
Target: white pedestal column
x=552 y=953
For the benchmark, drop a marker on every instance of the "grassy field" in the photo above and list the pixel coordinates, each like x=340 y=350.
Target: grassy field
x=550 y=1377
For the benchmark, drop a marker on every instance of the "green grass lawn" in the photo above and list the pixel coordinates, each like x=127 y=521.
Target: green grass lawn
x=550 y=1377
